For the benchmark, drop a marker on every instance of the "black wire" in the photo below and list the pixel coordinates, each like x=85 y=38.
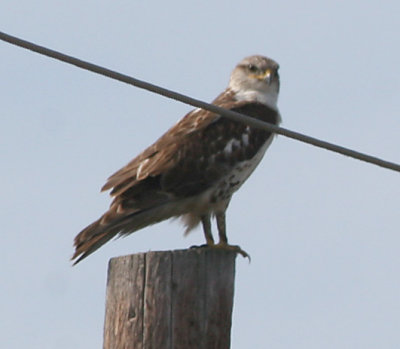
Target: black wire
x=197 y=103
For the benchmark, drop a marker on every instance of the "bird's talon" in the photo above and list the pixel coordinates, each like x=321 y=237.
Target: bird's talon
x=225 y=247
x=234 y=248
x=197 y=246
x=242 y=252
x=200 y=246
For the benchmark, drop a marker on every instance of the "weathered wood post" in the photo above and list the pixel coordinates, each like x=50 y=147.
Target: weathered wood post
x=179 y=299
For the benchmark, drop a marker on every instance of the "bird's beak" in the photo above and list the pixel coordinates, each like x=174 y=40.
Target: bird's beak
x=265 y=76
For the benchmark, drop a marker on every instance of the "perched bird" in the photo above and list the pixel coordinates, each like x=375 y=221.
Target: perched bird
x=194 y=168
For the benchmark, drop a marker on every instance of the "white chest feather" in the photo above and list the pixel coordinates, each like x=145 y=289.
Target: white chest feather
x=244 y=169
x=239 y=174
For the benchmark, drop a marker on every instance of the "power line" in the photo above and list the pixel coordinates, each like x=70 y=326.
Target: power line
x=197 y=103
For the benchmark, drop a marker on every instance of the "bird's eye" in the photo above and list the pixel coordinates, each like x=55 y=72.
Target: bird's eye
x=252 y=68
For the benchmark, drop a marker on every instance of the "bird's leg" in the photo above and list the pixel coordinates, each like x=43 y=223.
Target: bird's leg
x=206 y=221
x=221 y=224
x=223 y=240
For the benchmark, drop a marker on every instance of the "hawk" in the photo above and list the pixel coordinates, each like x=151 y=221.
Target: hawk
x=193 y=170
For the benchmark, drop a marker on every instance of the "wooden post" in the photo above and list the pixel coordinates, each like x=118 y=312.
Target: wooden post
x=170 y=300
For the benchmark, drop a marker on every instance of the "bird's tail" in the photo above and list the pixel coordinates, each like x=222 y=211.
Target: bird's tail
x=110 y=224
x=91 y=238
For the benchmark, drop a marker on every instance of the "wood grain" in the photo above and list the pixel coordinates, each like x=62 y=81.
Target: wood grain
x=170 y=300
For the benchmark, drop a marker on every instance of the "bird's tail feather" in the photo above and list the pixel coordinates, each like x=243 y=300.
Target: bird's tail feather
x=98 y=233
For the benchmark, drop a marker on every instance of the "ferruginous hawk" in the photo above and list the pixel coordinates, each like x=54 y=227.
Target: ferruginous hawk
x=194 y=168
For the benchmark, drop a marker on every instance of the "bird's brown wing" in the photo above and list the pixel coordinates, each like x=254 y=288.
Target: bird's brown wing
x=164 y=153
x=180 y=166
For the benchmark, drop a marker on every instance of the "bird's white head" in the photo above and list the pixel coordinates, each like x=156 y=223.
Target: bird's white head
x=256 y=79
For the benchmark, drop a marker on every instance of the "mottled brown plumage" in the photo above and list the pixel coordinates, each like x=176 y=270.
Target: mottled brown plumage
x=195 y=167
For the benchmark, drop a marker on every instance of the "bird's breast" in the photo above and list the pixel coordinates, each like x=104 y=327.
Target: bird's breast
x=239 y=173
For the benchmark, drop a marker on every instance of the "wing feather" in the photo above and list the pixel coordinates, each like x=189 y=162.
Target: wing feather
x=164 y=153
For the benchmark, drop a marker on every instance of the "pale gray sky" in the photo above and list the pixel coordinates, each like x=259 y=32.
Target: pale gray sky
x=322 y=229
